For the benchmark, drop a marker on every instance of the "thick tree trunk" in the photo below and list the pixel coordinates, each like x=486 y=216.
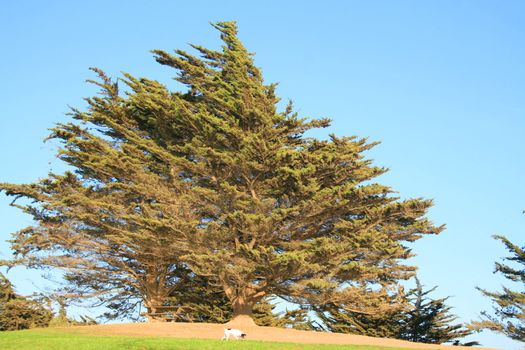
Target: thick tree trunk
x=242 y=313
x=242 y=304
x=155 y=293
x=242 y=298
x=154 y=309
x=241 y=307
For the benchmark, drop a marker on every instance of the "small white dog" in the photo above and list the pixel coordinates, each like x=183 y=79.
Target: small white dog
x=234 y=333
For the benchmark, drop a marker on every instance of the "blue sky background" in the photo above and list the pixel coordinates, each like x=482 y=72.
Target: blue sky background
x=439 y=83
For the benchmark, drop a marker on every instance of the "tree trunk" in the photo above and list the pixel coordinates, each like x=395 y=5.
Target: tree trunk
x=242 y=299
x=241 y=307
x=242 y=312
x=153 y=307
x=155 y=293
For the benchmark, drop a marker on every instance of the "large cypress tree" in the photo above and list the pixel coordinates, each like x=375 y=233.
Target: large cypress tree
x=509 y=304
x=290 y=215
x=116 y=221
x=215 y=183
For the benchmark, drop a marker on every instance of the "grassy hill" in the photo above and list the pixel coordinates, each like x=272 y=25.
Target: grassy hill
x=65 y=339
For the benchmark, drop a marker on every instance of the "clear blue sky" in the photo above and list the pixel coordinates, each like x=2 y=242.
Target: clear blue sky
x=439 y=83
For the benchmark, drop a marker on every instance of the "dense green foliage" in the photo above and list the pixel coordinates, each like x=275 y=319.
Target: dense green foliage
x=429 y=320
x=213 y=190
x=289 y=215
x=115 y=224
x=412 y=316
x=264 y=314
x=509 y=304
x=18 y=312
x=382 y=320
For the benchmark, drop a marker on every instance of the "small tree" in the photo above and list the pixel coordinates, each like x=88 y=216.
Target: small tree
x=299 y=319
x=17 y=312
x=509 y=308
x=381 y=316
x=412 y=316
x=429 y=320
x=264 y=315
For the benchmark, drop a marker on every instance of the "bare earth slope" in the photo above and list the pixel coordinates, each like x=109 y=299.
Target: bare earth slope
x=215 y=331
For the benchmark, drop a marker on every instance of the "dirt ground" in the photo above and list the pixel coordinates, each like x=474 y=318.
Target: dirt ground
x=215 y=331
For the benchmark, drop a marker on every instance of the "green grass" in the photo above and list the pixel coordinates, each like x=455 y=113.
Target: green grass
x=55 y=339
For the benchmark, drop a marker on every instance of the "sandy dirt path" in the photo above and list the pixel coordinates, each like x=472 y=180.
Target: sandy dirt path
x=215 y=331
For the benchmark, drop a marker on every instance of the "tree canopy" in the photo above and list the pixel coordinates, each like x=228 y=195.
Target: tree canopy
x=170 y=187
x=116 y=224
x=509 y=304
x=411 y=315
